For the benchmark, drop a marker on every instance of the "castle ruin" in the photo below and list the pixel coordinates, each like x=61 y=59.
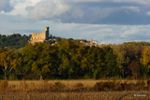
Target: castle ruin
x=40 y=37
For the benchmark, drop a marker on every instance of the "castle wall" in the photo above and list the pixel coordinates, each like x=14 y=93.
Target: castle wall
x=39 y=37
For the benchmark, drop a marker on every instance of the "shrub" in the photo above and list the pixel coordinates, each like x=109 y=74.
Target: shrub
x=78 y=87
x=58 y=87
x=104 y=86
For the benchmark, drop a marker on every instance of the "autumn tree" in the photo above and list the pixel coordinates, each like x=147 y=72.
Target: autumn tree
x=145 y=60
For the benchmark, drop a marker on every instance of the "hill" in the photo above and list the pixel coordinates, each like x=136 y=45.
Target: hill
x=72 y=59
x=14 y=40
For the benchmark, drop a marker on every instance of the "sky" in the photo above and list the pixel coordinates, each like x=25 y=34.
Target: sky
x=106 y=21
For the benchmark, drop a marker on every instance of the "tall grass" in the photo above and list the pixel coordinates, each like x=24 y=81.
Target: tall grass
x=74 y=89
x=74 y=86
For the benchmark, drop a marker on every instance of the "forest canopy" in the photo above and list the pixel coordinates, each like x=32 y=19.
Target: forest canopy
x=14 y=40
x=71 y=59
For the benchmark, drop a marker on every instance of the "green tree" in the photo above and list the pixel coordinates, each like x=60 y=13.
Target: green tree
x=7 y=62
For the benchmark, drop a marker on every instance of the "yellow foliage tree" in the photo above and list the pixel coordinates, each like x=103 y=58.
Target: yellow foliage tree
x=146 y=56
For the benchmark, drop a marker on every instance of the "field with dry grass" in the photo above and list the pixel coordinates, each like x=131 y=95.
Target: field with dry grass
x=75 y=90
x=110 y=95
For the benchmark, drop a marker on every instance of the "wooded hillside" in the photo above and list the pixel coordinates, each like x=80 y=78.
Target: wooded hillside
x=70 y=59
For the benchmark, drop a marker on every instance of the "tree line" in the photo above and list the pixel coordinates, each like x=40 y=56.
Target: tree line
x=71 y=59
x=13 y=40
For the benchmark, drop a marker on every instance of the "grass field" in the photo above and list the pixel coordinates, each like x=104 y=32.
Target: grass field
x=124 y=95
x=75 y=90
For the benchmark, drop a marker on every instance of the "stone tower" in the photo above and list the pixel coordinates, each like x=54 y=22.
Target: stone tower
x=40 y=36
x=47 y=32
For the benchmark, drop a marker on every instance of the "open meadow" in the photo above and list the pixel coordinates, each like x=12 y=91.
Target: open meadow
x=75 y=90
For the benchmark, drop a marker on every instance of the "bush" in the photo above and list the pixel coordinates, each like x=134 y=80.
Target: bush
x=148 y=84
x=79 y=87
x=104 y=86
x=140 y=85
x=58 y=87
x=116 y=86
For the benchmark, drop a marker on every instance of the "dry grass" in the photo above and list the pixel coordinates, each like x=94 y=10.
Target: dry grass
x=125 y=95
x=73 y=89
x=74 y=85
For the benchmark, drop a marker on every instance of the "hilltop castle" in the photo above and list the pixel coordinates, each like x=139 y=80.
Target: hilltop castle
x=40 y=37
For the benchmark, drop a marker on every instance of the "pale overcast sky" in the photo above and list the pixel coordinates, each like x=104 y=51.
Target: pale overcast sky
x=107 y=21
